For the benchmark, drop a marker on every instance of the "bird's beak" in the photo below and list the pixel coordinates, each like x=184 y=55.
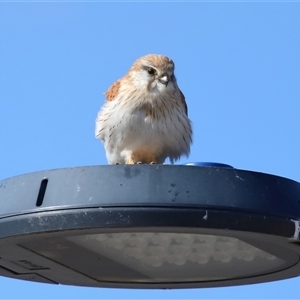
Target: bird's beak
x=164 y=80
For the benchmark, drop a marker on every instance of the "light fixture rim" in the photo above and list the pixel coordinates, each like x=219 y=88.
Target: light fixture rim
x=166 y=185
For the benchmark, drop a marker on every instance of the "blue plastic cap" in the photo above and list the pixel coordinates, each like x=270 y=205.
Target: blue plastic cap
x=208 y=164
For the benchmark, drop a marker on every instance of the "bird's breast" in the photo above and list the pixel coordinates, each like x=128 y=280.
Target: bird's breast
x=140 y=124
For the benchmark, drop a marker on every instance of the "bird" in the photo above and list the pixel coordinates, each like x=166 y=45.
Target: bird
x=144 y=119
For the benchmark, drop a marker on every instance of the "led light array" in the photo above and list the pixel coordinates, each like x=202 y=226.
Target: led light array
x=156 y=249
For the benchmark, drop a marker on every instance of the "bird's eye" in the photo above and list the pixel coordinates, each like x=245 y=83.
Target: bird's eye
x=151 y=71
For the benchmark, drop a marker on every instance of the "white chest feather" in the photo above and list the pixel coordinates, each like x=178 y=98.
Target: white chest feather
x=162 y=130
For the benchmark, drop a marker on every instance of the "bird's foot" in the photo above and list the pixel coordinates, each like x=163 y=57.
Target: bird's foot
x=130 y=161
x=138 y=160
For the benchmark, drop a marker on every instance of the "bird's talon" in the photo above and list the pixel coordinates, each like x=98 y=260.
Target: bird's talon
x=153 y=163
x=130 y=161
x=138 y=162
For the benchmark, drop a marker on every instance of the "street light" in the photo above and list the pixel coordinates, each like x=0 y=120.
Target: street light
x=150 y=226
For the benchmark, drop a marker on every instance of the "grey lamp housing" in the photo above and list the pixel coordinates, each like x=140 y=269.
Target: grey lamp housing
x=149 y=226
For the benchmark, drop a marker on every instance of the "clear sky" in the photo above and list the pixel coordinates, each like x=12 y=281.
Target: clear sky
x=238 y=64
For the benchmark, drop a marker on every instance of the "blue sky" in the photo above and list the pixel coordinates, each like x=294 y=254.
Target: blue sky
x=238 y=64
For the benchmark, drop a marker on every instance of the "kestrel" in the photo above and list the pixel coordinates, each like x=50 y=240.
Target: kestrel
x=144 y=118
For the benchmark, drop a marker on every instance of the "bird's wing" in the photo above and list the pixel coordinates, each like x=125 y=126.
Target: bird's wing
x=183 y=101
x=113 y=90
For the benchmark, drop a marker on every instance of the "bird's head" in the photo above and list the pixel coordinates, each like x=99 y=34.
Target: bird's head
x=153 y=73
